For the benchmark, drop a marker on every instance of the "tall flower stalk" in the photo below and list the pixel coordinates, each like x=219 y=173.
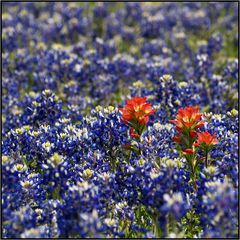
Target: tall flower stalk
x=188 y=121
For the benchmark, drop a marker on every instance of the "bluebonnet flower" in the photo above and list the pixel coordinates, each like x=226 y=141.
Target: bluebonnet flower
x=220 y=204
x=175 y=205
x=70 y=167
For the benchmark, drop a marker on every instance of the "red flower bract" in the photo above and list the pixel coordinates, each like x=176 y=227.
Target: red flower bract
x=136 y=111
x=177 y=138
x=133 y=133
x=188 y=119
x=205 y=138
x=187 y=151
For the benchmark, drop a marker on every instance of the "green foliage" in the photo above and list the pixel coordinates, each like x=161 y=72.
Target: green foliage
x=191 y=224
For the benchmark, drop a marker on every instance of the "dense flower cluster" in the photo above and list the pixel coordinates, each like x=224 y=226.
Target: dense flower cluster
x=88 y=90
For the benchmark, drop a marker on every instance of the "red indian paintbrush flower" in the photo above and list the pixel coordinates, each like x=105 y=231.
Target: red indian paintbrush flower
x=188 y=119
x=136 y=114
x=205 y=139
x=136 y=111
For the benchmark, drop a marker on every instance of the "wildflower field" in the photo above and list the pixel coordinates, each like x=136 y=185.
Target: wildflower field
x=119 y=120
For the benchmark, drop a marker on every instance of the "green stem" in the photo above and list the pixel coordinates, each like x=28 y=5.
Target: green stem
x=192 y=170
x=194 y=174
x=195 y=183
x=157 y=230
x=206 y=158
